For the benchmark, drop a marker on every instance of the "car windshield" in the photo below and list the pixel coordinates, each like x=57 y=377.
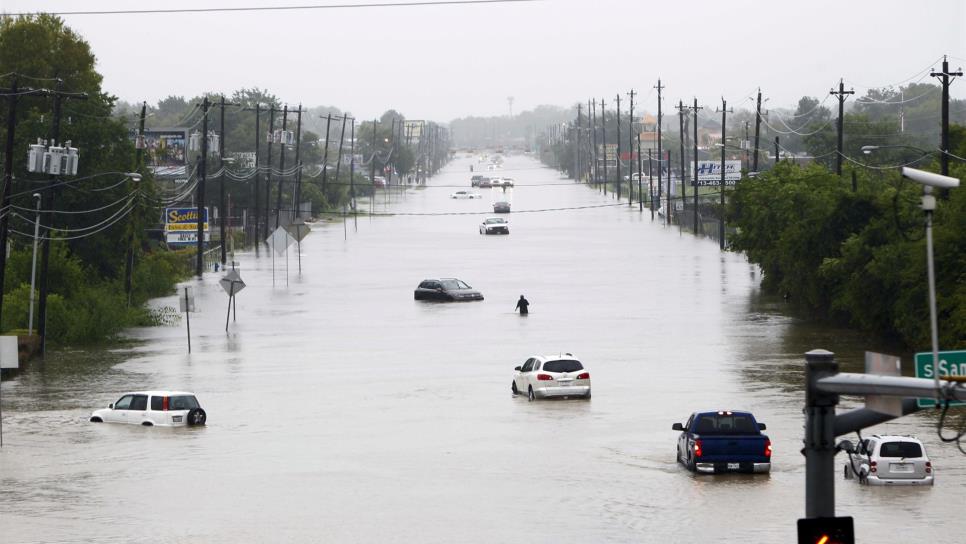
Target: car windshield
x=900 y=449
x=492 y=221
x=452 y=285
x=725 y=424
x=183 y=402
x=563 y=365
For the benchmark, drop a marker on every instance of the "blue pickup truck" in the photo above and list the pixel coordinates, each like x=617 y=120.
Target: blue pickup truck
x=723 y=441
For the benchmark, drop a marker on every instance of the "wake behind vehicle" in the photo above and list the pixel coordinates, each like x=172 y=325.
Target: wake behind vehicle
x=153 y=408
x=723 y=441
x=495 y=225
x=546 y=376
x=890 y=460
x=446 y=290
x=465 y=194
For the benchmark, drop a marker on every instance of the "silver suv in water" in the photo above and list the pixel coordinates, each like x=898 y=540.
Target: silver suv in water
x=890 y=460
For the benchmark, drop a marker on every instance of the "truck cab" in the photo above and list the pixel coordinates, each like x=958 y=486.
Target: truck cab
x=723 y=441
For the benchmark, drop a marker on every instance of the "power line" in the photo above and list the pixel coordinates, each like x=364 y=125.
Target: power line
x=279 y=8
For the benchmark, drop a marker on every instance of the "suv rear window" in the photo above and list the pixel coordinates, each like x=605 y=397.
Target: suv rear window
x=900 y=449
x=182 y=402
x=563 y=365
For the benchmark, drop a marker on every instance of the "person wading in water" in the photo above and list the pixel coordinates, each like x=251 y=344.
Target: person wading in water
x=522 y=305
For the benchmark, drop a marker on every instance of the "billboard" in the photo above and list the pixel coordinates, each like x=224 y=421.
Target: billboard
x=166 y=151
x=709 y=173
x=413 y=129
x=181 y=225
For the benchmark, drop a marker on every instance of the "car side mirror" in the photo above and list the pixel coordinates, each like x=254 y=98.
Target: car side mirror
x=111 y=406
x=677 y=427
x=516 y=368
x=761 y=427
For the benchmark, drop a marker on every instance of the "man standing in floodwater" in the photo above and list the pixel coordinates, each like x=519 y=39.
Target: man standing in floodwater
x=522 y=305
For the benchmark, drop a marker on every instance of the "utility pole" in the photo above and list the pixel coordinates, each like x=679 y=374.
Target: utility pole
x=325 y=156
x=352 y=171
x=129 y=257
x=640 y=177
x=776 y=150
x=594 y=157
x=577 y=149
x=695 y=109
x=268 y=180
x=630 y=152
x=681 y=109
x=841 y=94
x=944 y=139
x=721 y=225
x=603 y=134
x=297 y=197
x=620 y=182
x=392 y=155
x=203 y=178
x=50 y=195
x=660 y=153
x=372 y=161
x=754 y=164
x=258 y=173
x=650 y=183
x=14 y=92
x=745 y=144
x=281 y=166
x=338 y=163
x=222 y=209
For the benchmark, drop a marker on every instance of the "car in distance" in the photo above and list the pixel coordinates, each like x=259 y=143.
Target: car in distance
x=475 y=180
x=723 y=441
x=378 y=181
x=465 y=194
x=447 y=290
x=485 y=183
x=495 y=225
x=546 y=376
x=501 y=206
x=890 y=460
x=153 y=408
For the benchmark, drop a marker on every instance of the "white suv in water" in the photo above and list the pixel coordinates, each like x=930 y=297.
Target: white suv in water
x=890 y=460
x=149 y=408
x=543 y=376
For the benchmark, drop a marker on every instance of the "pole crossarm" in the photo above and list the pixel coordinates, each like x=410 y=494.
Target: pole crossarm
x=845 y=383
x=860 y=418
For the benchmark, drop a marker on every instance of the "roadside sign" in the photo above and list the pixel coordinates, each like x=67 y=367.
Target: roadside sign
x=232 y=283
x=279 y=240
x=951 y=363
x=9 y=354
x=298 y=230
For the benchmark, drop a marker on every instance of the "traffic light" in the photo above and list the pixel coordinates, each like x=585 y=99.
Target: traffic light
x=826 y=531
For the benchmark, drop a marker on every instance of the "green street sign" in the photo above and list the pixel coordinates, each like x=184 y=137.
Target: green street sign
x=951 y=363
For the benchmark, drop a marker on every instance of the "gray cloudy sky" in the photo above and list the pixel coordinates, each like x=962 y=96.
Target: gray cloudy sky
x=443 y=62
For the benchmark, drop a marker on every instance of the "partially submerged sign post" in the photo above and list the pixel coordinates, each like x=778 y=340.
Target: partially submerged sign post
x=279 y=241
x=232 y=284
x=298 y=230
x=9 y=358
x=187 y=304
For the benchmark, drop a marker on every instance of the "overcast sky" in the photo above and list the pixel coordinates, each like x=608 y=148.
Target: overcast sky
x=442 y=62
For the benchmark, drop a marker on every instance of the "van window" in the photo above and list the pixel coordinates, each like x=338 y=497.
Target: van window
x=139 y=402
x=900 y=449
x=156 y=403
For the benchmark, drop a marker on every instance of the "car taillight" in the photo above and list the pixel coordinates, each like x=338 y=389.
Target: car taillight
x=544 y=377
x=872 y=466
x=584 y=376
x=697 y=448
x=164 y=403
x=767 y=448
x=928 y=467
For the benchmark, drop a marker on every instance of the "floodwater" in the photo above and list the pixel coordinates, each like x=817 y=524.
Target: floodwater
x=341 y=410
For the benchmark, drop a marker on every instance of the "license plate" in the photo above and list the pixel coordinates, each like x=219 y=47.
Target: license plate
x=734 y=466
x=900 y=467
x=176 y=419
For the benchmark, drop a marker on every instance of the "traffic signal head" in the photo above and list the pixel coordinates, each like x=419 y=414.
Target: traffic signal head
x=826 y=531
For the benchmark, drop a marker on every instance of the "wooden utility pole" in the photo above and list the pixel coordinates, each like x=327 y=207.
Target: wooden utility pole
x=325 y=156
x=268 y=180
x=695 y=109
x=200 y=195
x=620 y=182
x=660 y=152
x=281 y=166
x=841 y=94
x=603 y=134
x=681 y=114
x=129 y=257
x=594 y=156
x=754 y=164
x=258 y=173
x=944 y=136
x=630 y=152
x=721 y=225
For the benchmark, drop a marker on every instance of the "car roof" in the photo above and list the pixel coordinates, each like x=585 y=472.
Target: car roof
x=497 y=218
x=896 y=438
x=715 y=411
x=157 y=393
x=557 y=356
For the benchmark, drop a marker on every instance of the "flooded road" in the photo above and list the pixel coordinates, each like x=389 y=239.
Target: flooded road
x=341 y=410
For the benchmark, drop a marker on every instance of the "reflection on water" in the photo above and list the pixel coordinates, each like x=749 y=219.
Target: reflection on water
x=340 y=409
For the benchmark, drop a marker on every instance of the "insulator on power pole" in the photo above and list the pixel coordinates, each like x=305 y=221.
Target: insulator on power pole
x=35 y=157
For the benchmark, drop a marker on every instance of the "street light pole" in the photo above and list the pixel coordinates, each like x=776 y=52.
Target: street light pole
x=33 y=268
